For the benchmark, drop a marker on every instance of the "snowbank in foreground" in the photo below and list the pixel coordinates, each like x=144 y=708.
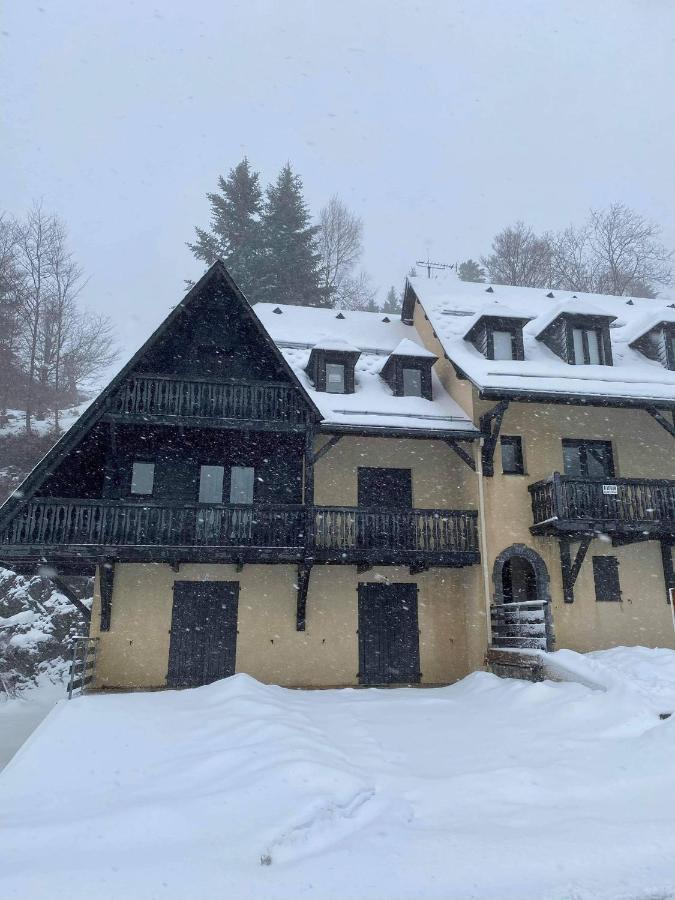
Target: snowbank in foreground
x=486 y=789
x=647 y=673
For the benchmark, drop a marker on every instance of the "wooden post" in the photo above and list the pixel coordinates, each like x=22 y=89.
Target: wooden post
x=106 y=579
x=668 y=571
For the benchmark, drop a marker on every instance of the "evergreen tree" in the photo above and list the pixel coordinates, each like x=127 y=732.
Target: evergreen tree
x=236 y=231
x=470 y=270
x=392 y=302
x=292 y=261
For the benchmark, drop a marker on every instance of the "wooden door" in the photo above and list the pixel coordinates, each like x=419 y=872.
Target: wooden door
x=203 y=632
x=388 y=634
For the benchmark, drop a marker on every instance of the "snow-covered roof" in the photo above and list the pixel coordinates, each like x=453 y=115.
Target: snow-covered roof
x=298 y=329
x=409 y=348
x=449 y=302
x=327 y=343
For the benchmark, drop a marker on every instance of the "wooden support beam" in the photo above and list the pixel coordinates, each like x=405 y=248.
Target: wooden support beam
x=309 y=468
x=668 y=570
x=331 y=442
x=570 y=570
x=660 y=417
x=304 y=571
x=461 y=452
x=363 y=567
x=490 y=426
x=61 y=585
x=106 y=578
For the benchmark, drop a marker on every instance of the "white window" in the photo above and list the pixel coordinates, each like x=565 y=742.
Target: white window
x=412 y=383
x=241 y=484
x=587 y=347
x=335 y=378
x=211 y=484
x=502 y=345
x=142 y=478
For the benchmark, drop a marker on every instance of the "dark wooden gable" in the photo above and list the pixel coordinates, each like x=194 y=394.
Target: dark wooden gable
x=215 y=287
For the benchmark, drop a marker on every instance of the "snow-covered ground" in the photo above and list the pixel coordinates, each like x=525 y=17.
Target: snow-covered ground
x=20 y=715
x=486 y=789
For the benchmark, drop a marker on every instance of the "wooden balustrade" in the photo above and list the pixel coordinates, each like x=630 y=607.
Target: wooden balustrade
x=332 y=530
x=161 y=396
x=563 y=501
x=337 y=528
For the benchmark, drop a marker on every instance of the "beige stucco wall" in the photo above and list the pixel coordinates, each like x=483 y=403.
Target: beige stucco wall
x=440 y=479
x=641 y=449
x=134 y=653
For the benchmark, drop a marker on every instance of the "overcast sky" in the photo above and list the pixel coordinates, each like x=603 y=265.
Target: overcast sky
x=439 y=122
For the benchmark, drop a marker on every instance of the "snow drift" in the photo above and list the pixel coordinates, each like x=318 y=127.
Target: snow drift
x=489 y=789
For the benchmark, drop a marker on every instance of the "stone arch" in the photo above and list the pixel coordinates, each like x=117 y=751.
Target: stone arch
x=521 y=551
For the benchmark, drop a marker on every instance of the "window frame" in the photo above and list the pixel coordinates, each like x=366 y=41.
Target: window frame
x=583 y=445
x=420 y=375
x=513 y=440
x=498 y=329
x=244 y=503
x=607 y=583
x=585 y=330
x=199 y=484
x=338 y=365
x=142 y=462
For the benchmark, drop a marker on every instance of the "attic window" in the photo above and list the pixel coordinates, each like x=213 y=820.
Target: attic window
x=412 y=382
x=331 y=367
x=580 y=339
x=587 y=347
x=335 y=378
x=498 y=337
x=658 y=344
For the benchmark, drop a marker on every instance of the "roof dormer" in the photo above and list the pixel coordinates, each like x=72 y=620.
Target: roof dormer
x=407 y=370
x=657 y=340
x=498 y=336
x=331 y=366
x=578 y=335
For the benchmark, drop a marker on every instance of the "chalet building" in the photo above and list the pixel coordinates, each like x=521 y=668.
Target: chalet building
x=324 y=498
x=574 y=396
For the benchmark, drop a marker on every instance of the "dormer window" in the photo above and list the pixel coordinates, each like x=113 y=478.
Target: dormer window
x=335 y=378
x=412 y=382
x=581 y=339
x=503 y=345
x=331 y=366
x=658 y=343
x=587 y=345
x=498 y=336
x=407 y=370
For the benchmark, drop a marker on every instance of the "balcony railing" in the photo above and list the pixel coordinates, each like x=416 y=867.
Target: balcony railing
x=324 y=531
x=568 y=503
x=149 y=396
x=338 y=528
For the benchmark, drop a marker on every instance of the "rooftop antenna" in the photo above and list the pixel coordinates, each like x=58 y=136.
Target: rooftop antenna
x=428 y=265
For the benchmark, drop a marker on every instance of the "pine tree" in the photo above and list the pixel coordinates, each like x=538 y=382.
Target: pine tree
x=392 y=302
x=469 y=270
x=292 y=261
x=236 y=231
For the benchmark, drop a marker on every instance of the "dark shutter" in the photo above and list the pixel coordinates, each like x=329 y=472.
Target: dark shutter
x=606 y=577
x=203 y=632
x=388 y=634
x=512 y=455
x=384 y=487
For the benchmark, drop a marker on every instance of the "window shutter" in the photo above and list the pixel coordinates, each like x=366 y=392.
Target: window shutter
x=606 y=577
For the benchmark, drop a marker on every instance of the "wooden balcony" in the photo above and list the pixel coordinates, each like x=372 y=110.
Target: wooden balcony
x=162 y=399
x=96 y=529
x=618 y=506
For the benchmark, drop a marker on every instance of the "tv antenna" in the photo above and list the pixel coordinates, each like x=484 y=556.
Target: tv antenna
x=428 y=265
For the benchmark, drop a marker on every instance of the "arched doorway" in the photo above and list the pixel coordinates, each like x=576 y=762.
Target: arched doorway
x=521 y=615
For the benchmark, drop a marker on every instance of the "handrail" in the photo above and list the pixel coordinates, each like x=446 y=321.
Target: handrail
x=62 y=521
x=625 y=501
